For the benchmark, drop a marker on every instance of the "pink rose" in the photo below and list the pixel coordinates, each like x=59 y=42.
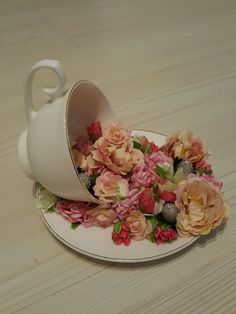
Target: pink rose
x=161 y=235
x=139 y=226
x=201 y=207
x=185 y=145
x=146 y=201
x=124 y=207
x=101 y=217
x=94 y=131
x=117 y=135
x=110 y=187
x=158 y=158
x=73 y=211
x=143 y=176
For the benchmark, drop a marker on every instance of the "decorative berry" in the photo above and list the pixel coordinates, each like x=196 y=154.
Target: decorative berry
x=187 y=166
x=169 y=212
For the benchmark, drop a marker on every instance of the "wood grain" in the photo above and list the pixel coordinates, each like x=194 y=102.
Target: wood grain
x=164 y=65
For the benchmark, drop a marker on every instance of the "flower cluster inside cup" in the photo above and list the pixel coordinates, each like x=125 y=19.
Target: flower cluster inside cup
x=146 y=191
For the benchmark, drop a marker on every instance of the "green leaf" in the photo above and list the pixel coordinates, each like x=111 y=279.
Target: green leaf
x=165 y=226
x=179 y=175
x=201 y=171
x=118 y=227
x=155 y=193
x=74 y=225
x=45 y=199
x=161 y=172
x=154 y=221
x=150 y=237
x=137 y=145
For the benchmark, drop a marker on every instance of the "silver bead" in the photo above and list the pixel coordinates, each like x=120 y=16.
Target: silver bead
x=85 y=178
x=187 y=166
x=169 y=212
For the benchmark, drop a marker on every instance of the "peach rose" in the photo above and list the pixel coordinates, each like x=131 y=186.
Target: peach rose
x=79 y=159
x=119 y=160
x=101 y=217
x=185 y=145
x=201 y=207
x=110 y=187
x=139 y=226
x=137 y=156
x=117 y=135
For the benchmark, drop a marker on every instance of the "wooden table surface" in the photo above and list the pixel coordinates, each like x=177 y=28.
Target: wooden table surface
x=164 y=65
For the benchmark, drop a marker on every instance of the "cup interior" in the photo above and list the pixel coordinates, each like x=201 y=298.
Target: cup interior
x=85 y=104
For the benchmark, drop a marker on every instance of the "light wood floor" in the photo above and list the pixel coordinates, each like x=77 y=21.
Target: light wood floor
x=164 y=65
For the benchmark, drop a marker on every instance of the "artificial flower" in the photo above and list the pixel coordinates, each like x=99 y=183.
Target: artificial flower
x=201 y=207
x=79 y=159
x=94 y=131
x=184 y=145
x=83 y=145
x=125 y=206
x=162 y=235
x=117 y=135
x=110 y=187
x=143 y=176
x=121 y=234
x=139 y=226
x=101 y=216
x=119 y=160
x=73 y=211
x=146 y=201
x=167 y=196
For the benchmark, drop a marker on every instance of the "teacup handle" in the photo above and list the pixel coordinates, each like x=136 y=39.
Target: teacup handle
x=53 y=92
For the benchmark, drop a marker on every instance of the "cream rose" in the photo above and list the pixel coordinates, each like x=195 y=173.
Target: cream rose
x=110 y=187
x=101 y=217
x=119 y=160
x=185 y=145
x=201 y=207
x=117 y=135
x=139 y=226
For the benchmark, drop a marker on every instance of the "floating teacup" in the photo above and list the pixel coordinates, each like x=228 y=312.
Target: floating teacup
x=44 y=149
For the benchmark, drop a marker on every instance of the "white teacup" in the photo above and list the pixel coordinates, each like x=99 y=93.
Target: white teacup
x=44 y=149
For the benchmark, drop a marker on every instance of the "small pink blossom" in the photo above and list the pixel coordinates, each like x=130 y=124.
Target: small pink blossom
x=157 y=158
x=161 y=235
x=212 y=180
x=202 y=164
x=124 y=207
x=83 y=145
x=123 y=236
x=143 y=176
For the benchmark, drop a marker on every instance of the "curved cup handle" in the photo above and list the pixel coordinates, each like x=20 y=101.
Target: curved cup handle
x=53 y=92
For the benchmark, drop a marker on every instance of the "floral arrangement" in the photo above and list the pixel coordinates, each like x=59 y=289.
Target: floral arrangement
x=146 y=191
